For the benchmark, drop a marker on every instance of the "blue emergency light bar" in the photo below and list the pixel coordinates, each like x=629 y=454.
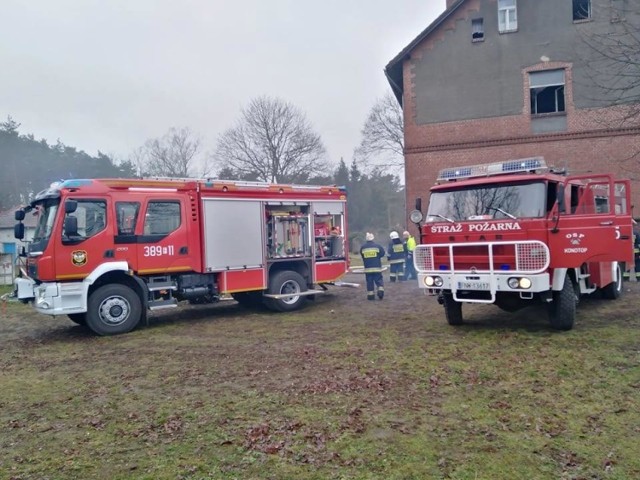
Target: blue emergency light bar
x=533 y=164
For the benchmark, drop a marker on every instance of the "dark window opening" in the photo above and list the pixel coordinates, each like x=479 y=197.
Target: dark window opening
x=546 y=91
x=581 y=9
x=477 y=30
x=547 y=99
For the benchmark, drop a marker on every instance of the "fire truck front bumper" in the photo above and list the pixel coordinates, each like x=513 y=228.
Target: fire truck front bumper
x=53 y=298
x=485 y=284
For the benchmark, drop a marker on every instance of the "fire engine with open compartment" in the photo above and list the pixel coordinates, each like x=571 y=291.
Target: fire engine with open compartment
x=515 y=232
x=105 y=251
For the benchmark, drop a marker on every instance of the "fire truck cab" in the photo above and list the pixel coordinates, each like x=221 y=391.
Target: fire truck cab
x=105 y=251
x=516 y=232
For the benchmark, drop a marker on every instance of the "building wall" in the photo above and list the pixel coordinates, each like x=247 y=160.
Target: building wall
x=468 y=103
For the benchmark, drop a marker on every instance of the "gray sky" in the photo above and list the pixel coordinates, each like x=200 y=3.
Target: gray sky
x=109 y=74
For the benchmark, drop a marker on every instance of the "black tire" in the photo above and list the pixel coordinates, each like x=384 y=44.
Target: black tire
x=79 y=318
x=562 y=309
x=614 y=290
x=452 y=309
x=251 y=299
x=286 y=281
x=113 y=309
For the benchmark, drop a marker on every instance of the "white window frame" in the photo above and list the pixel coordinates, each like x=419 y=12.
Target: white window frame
x=588 y=12
x=507 y=16
x=542 y=79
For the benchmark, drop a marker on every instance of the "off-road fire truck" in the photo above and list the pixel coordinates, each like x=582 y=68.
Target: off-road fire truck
x=106 y=251
x=516 y=232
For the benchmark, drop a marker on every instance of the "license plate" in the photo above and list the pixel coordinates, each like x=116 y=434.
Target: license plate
x=473 y=285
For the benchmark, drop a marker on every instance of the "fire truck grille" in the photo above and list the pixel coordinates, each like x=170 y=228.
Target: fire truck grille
x=524 y=256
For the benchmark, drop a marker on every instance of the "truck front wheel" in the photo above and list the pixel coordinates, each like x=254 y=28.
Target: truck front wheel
x=286 y=282
x=562 y=309
x=113 y=309
x=452 y=309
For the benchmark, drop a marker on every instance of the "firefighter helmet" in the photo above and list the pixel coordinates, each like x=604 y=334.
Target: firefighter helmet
x=393 y=235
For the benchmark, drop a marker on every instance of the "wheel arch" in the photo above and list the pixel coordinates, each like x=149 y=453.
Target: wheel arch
x=559 y=274
x=116 y=272
x=301 y=267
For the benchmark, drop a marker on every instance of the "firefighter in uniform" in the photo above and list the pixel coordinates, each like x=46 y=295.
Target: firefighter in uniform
x=636 y=256
x=397 y=256
x=372 y=255
x=410 y=269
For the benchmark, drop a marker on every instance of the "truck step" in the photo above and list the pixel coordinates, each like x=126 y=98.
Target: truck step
x=159 y=304
x=156 y=286
x=583 y=275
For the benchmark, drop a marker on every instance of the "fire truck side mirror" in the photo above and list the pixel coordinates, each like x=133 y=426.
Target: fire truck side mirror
x=419 y=203
x=19 y=215
x=18 y=231
x=561 y=200
x=70 y=226
x=70 y=206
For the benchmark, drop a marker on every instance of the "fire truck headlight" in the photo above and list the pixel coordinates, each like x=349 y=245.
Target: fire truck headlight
x=522 y=283
x=437 y=281
x=525 y=283
x=428 y=281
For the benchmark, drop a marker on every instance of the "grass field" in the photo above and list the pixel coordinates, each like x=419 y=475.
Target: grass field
x=344 y=389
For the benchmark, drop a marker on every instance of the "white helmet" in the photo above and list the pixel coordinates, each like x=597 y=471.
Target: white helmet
x=393 y=235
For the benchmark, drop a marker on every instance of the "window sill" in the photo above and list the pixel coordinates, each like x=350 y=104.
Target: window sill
x=550 y=114
x=477 y=40
x=583 y=20
x=514 y=30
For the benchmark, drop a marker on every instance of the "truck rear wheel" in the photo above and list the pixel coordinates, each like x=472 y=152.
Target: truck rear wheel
x=286 y=282
x=113 y=309
x=452 y=309
x=562 y=310
x=614 y=290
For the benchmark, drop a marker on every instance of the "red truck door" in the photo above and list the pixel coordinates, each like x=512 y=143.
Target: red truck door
x=165 y=242
x=595 y=225
x=77 y=255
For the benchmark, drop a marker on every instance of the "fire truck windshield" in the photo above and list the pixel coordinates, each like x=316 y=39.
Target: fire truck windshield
x=46 y=213
x=487 y=202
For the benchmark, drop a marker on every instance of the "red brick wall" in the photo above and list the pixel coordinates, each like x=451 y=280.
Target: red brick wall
x=618 y=153
x=595 y=141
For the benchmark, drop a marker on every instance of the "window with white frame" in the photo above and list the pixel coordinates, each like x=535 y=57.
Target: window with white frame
x=546 y=89
x=581 y=10
x=507 y=16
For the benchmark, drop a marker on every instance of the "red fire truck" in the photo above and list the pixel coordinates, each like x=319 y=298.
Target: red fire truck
x=516 y=232
x=106 y=251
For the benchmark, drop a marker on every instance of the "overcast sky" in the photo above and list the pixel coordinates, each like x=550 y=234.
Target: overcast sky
x=109 y=74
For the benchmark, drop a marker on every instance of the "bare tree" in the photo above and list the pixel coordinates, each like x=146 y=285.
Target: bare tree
x=273 y=141
x=172 y=155
x=382 y=141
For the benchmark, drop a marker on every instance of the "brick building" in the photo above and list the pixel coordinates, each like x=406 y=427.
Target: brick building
x=492 y=80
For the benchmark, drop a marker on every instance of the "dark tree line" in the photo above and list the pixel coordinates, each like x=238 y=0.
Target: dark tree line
x=28 y=165
x=375 y=199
